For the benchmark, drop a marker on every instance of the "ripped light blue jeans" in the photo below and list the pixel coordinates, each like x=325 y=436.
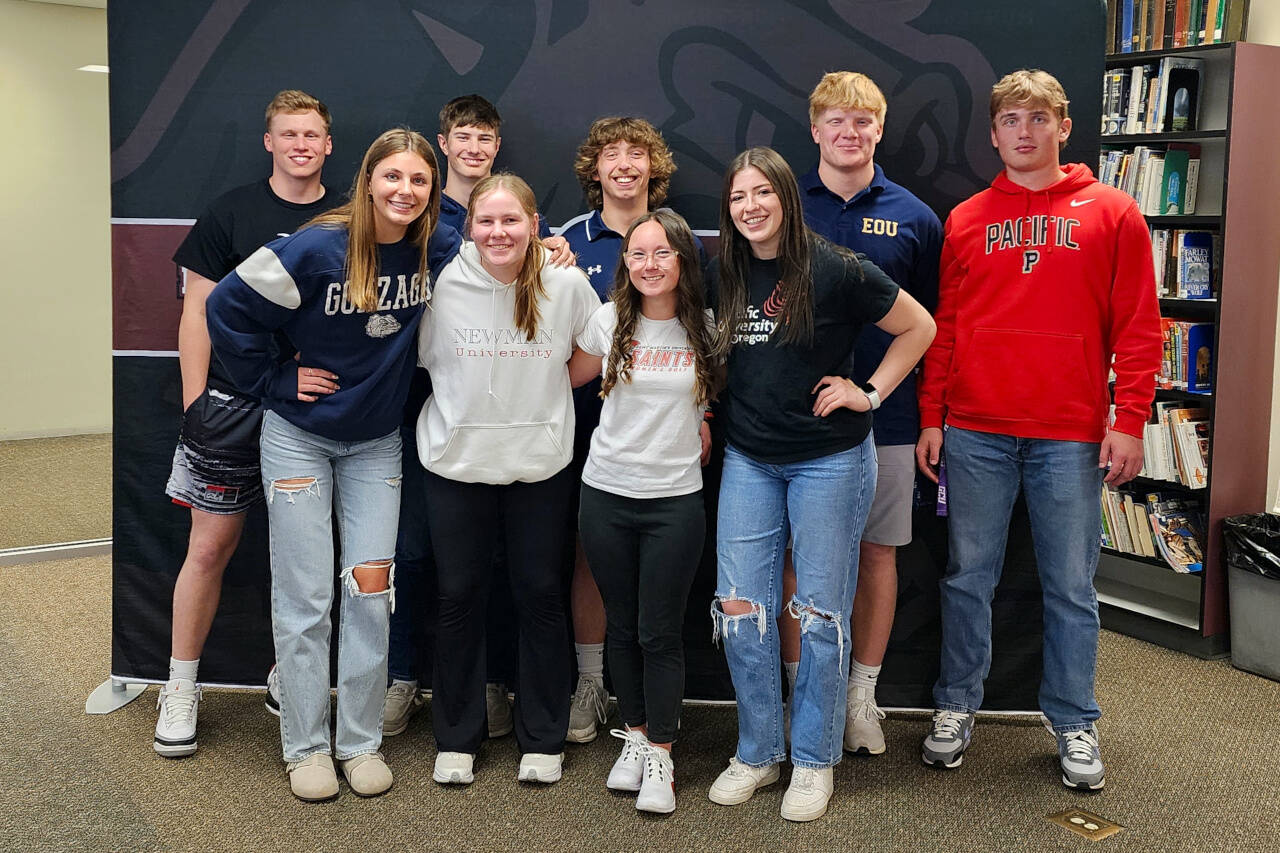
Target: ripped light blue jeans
x=310 y=481
x=822 y=504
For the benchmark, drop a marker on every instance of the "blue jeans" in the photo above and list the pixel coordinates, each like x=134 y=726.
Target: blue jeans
x=415 y=569
x=1061 y=481
x=309 y=480
x=823 y=504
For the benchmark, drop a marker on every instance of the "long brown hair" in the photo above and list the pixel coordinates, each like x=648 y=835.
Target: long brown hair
x=689 y=309
x=528 y=283
x=795 y=243
x=358 y=218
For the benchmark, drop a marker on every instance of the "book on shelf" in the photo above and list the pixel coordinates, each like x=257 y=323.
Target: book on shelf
x=1195 y=265
x=1182 y=100
x=1187 y=356
x=1187 y=263
x=1173 y=452
x=1161 y=180
x=1154 y=524
x=1141 y=25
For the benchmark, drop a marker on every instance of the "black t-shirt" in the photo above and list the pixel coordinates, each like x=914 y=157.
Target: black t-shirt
x=768 y=403
x=233 y=227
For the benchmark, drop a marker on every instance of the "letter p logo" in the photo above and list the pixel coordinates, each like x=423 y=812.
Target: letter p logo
x=1030 y=258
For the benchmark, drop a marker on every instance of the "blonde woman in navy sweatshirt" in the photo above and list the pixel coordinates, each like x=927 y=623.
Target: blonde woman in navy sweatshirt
x=348 y=291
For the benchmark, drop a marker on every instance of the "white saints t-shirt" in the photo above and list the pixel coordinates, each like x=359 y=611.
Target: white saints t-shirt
x=647 y=444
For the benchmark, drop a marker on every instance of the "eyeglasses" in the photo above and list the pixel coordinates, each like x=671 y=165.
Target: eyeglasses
x=662 y=257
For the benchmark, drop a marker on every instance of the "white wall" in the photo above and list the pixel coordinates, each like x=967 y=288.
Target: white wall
x=55 y=255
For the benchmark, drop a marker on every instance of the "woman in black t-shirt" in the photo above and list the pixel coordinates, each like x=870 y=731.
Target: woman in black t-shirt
x=799 y=464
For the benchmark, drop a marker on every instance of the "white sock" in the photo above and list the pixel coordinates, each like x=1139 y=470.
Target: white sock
x=590 y=660
x=861 y=675
x=413 y=685
x=791 y=667
x=183 y=669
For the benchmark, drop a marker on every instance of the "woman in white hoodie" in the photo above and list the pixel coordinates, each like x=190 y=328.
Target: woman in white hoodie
x=495 y=438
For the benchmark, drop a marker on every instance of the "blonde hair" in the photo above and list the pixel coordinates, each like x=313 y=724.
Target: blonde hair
x=1028 y=86
x=637 y=131
x=358 y=218
x=297 y=101
x=528 y=284
x=846 y=90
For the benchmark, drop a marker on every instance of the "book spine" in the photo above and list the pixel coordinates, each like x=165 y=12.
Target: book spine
x=1193 y=178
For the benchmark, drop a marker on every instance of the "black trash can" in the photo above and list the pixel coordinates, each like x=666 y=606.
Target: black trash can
x=1253 y=578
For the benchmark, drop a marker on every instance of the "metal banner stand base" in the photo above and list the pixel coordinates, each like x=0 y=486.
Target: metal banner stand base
x=112 y=695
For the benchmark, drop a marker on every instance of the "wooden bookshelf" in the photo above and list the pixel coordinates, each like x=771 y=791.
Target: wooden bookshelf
x=1237 y=195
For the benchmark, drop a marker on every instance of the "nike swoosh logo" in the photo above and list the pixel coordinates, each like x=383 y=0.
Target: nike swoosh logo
x=1077 y=202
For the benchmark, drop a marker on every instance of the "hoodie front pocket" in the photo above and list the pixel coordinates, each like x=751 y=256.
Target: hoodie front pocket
x=1007 y=374
x=511 y=448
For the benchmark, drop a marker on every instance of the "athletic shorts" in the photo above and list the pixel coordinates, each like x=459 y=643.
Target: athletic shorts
x=216 y=465
x=889 y=521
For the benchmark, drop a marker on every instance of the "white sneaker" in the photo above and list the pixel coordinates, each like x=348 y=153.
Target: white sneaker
x=454 y=768
x=806 y=798
x=739 y=781
x=658 y=790
x=862 y=732
x=497 y=709
x=178 y=703
x=273 y=691
x=628 y=770
x=588 y=709
x=401 y=703
x=540 y=767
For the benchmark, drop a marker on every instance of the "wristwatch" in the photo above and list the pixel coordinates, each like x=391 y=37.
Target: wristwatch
x=873 y=396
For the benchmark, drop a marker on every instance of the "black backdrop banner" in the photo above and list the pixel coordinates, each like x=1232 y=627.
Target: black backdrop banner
x=190 y=80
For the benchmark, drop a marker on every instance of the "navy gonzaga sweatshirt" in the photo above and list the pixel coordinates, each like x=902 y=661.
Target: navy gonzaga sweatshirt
x=297 y=285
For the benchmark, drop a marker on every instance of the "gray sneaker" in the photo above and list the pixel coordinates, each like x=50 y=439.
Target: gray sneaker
x=1081 y=759
x=588 y=710
x=948 y=739
x=497 y=708
x=398 y=707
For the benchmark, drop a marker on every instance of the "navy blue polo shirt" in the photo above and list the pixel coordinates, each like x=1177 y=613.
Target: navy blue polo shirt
x=455 y=214
x=902 y=236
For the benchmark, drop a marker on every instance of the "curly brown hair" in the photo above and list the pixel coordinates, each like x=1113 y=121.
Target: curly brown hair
x=637 y=131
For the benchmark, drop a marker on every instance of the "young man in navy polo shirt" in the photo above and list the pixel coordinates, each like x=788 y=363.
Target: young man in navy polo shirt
x=848 y=200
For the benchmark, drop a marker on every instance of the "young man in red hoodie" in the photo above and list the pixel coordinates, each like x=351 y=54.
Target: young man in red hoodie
x=1046 y=276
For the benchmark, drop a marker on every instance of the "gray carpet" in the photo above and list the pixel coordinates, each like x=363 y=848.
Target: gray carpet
x=1192 y=752
x=1193 y=748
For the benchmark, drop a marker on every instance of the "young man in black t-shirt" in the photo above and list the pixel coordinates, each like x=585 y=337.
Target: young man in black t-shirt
x=215 y=466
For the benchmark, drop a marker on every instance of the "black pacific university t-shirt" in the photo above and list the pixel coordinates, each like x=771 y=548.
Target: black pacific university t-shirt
x=768 y=404
x=233 y=227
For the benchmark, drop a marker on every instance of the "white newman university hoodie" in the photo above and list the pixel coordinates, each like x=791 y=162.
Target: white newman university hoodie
x=501 y=409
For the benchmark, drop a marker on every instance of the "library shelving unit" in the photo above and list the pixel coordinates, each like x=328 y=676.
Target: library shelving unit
x=1238 y=196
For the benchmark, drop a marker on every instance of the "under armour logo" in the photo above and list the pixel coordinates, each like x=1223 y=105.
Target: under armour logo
x=1030 y=258
x=595 y=269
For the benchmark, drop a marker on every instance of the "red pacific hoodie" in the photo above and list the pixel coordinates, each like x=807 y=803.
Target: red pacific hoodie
x=1038 y=290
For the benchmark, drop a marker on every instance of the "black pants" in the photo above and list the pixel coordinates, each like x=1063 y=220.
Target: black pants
x=466 y=519
x=644 y=554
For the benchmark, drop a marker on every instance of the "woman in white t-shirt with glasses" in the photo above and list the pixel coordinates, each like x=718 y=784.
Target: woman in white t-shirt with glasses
x=641 y=515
